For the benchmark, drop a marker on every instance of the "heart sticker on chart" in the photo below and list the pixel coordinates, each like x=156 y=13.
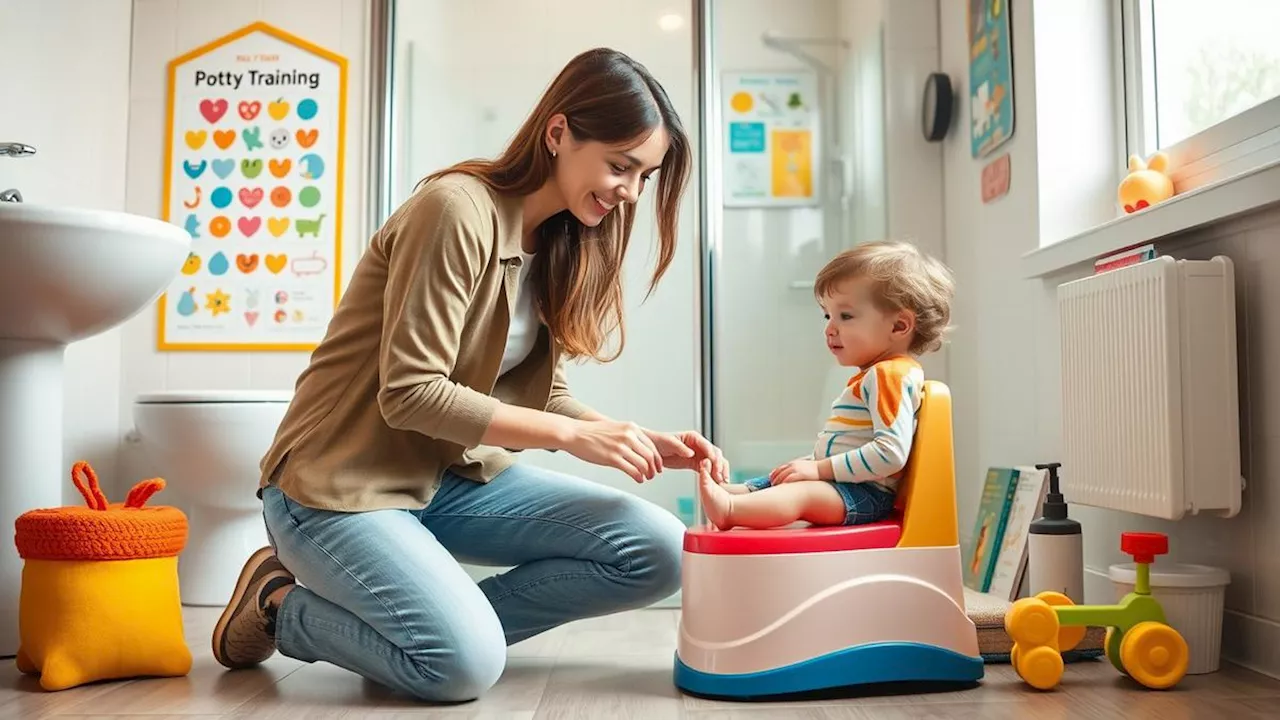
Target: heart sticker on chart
x=307 y=138
x=194 y=171
x=276 y=263
x=195 y=139
x=251 y=317
x=280 y=168
x=213 y=110
x=249 y=110
x=224 y=138
x=247 y=263
x=249 y=225
x=223 y=168
x=277 y=226
x=250 y=197
x=251 y=168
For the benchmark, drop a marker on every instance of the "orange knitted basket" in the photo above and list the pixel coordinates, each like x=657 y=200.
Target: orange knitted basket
x=102 y=531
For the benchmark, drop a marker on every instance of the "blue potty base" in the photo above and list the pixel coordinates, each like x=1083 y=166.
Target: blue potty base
x=862 y=665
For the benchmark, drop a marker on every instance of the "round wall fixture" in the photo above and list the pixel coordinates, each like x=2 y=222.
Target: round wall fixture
x=935 y=115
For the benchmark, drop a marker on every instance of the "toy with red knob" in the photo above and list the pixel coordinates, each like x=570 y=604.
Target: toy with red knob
x=1140 y=643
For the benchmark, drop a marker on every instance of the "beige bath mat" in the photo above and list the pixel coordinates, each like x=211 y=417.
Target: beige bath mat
x=994 y=644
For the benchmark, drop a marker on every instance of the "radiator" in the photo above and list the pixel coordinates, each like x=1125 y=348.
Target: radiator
x=1150 y=407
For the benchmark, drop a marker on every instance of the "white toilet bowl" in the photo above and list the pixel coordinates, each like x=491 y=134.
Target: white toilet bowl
x=207 y=447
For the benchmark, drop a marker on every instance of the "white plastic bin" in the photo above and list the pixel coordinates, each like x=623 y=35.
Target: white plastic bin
x=1192 y=597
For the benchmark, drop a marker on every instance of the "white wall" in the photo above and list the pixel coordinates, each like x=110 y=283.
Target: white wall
x=76 y=114
x=163 y=30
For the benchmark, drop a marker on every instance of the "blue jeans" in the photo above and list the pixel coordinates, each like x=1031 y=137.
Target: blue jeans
x=381 y=593
x=863 y=502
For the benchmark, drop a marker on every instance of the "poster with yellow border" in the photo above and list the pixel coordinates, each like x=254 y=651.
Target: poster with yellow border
x=253 y=170
x=770 y=139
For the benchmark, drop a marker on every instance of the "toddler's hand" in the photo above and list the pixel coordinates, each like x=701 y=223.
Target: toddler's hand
x=794 y=471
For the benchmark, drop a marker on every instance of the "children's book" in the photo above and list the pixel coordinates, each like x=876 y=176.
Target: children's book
x=1011 y=559
x=980 y=553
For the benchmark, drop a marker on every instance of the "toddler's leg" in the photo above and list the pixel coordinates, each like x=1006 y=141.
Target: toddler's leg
x=815 y=501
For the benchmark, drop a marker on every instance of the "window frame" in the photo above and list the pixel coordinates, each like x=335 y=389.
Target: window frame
x=1244 y=142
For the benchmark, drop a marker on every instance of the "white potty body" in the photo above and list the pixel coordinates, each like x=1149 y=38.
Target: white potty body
x=790 y=610
x=208 y=446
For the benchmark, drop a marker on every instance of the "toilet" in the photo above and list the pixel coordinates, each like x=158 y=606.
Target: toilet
x=207 y=446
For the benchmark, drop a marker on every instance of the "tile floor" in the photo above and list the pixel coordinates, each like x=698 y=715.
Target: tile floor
x=613 y=668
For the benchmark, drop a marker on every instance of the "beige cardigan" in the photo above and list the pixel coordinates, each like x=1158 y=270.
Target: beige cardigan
x=403 y=385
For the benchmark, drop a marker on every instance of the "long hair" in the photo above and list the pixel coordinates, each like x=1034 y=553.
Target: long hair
x=577 y=274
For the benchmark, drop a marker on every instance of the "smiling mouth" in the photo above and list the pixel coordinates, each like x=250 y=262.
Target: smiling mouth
x=602 y=205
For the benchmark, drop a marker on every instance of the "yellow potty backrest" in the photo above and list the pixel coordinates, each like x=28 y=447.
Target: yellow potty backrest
x=927 y=491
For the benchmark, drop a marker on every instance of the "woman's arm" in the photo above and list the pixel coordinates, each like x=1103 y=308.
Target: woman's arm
x=436 y=252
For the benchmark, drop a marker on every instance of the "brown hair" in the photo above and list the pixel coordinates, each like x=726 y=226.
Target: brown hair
x=577 y=274
x=904 y=279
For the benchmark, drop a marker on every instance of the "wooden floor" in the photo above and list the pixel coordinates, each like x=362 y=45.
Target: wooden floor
x=610 y=669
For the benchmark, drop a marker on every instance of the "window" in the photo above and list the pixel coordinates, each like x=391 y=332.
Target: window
x=1202 y=83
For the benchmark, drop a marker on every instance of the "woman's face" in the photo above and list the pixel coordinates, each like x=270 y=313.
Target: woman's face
x=594 y=178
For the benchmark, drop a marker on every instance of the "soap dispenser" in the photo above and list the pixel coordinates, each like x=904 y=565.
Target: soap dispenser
x=1055 y=548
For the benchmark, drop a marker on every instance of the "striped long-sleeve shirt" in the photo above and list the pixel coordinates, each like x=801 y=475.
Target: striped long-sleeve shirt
x=873 y=423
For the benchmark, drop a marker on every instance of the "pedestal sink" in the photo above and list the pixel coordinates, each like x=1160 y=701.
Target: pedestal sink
x=65 y=275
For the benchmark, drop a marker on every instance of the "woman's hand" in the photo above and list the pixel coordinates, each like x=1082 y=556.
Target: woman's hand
x=686 y=450
x=622 y=445
x=795 y=471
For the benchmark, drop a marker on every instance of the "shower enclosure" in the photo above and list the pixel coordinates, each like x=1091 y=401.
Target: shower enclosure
x=731 y=341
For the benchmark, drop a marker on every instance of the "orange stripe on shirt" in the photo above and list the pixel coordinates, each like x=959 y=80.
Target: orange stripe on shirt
x=889 y=376
x=849 y=421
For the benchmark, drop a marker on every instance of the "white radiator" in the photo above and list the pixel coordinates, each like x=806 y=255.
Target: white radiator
x=1149 y=390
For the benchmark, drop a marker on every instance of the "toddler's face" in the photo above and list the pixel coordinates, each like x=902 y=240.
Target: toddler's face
x=857 y=332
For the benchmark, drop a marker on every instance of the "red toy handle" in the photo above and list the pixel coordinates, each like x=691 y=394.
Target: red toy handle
x=1144 y=546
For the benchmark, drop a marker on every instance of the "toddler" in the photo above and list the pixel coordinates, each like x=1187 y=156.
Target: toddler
x=885 y=304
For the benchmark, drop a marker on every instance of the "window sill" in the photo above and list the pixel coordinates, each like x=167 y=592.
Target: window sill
x=1233 y=196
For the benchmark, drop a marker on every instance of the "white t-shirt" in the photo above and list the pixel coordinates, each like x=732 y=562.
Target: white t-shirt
x=523 y=332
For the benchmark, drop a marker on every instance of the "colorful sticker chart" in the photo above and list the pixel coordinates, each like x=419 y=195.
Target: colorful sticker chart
x=254 y=172
x=770 y=139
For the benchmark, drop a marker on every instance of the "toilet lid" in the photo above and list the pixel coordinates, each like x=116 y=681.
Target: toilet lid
x=189 y=397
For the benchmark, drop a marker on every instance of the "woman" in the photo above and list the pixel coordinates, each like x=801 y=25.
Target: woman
x=388 y=469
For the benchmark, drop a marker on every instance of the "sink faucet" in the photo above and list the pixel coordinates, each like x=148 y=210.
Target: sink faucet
x=14 y=149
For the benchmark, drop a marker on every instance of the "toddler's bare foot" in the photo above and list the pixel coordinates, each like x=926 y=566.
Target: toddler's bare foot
x=716 y=501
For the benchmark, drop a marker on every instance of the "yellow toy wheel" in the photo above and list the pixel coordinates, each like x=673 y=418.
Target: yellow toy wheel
x=1069 y=636
x=1031 y=623
x=1111 y=647
x=1040 y=667
x=1154 y=654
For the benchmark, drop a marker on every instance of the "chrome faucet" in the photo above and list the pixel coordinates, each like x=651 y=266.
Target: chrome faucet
x=14 y=149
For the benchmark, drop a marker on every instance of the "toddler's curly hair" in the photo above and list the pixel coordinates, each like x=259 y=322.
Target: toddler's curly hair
x=903 y=278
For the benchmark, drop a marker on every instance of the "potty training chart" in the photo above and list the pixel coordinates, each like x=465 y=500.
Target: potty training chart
x=253 y=171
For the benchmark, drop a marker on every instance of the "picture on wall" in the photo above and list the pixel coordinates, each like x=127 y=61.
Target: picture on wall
x=990 y=76
x=254 y=172
x=771 y=139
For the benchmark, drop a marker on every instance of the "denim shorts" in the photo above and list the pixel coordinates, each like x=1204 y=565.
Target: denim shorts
x=863 y=502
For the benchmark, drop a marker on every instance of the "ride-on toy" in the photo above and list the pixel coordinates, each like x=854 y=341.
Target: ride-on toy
x=1139 y=641
x=770 y=612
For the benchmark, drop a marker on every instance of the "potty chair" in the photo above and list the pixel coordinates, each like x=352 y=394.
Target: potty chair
x=802 y=608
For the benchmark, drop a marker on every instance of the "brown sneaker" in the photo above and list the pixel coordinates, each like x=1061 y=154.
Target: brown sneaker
x=245 y=634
